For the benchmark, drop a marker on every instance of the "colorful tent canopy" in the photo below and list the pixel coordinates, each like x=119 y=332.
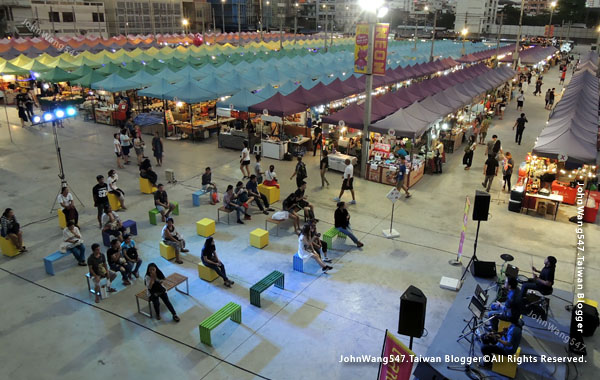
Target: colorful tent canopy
x=240 y=101
x=278 y=105
x=158 y=89
x=57 y=75
x=114 y=83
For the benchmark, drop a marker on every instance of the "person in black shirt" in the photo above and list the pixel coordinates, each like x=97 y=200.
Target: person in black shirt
x=117 y=263
x=211 y=260
x=161 y=201
x=299 y=172
x=147 y=172
x=100 y=194
x=259 y=198
x=318 y=139
x=21 y=101
x=520 y=125
x=208 y=186
x=290 y=204
x=490 y=170
x=342 y=223
x=155 y=290
x=98 y=270
x=544 y=281
x=323 y=166
x=302 y=202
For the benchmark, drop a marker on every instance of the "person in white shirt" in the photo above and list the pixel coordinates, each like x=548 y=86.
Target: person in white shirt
x=111 y=181
x=118 y=150
x=172 y=238
x=271 y=177
x=125 y=144
x=73 y=243
x=306 y=249
x=347 y=183
x=65 y=199
x=245 y=161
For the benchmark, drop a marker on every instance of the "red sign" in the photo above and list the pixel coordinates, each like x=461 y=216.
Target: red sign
x=380 y=48
x=398 y=362
x=549 y=31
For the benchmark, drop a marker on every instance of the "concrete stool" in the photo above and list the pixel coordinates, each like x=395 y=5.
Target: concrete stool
x=205 y=227
x=206 y=273
x=298 y=263
x=114 y=202
x=167 y=251
x=506 y=365
x=62 y=219
x=196 y=197
x=146 y=187
x=103 y=292
x=153 y=215
x=176 y=209
x=132 y=225
x=259 y=238
x=271 y=192
x=49 y=261
x=226 y=211
x=8 y=248
x=330 y=234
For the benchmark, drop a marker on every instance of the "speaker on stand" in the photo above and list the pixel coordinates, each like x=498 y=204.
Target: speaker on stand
x=481 y=209
x=411 y=317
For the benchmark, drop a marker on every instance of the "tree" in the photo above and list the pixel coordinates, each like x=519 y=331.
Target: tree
x=573 y=10
x=446 y=20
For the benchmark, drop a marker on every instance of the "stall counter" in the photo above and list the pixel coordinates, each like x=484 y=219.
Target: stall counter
x=336 y=161
x=274 y=149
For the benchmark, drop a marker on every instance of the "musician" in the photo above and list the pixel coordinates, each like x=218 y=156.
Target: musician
x=511 y=309
x=505 y=343
x=544 y=281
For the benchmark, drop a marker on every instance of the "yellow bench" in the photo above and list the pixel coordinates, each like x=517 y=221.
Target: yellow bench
x=271 y=192
x=62 y=219
x=114 y=202
x=167 y=251
x=259 y=238
x=146 y=187
x=8 y=248
x=206 y=273
x=506 y=365
x=205 y=227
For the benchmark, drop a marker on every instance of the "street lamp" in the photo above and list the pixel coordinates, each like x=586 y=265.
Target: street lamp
x=552 y=6
x=184 y=23
x=433 y=34
x=464 y=33
x=325 y=8
x=223 y=14
x=426 y=8
x=268 y=15
x=296 y=5
x=516 y=53
x=239 y=17
x=598 y=38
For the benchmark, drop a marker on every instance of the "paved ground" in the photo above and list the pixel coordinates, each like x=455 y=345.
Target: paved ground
x=51 y=328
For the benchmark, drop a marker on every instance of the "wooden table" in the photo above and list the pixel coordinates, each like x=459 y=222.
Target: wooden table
x=556 y=198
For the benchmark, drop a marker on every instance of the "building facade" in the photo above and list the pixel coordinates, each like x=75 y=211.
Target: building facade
x=536 y=7
x=68 y=18
x=477 y=16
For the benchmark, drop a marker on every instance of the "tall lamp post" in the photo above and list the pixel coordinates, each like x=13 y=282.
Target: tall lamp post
x=417 y=26
x=184 y=24
x=239 y=17
x=296 y=5
x=260 y=20
x=516 y=53
x=268 y=14
x=552 y=6
x=464 y=33
x=223 y=15
x=373 y=9
x=325 y=8
x=433 y=34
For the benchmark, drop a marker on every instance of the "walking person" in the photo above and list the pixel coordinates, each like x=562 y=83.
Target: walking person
x=490 y=170
x=469 y=151
x=29 y=102
x=342 y=223
x=401 y=177
x=157 y=149
x=538 y=87
x=347 y=182
x=118 y=150
x=21 y=100
x=547 y=98
x=507 y=169
x=245 y=161
x=520 y=101
x=437 y=159
x=562 y=76
x=125 y=144
x=323 y=167
x=520 y=125
x=155 y=291
x=551 y=98
x=318 y=138
x=211 y=260
x=485 y=124
x=300 y=172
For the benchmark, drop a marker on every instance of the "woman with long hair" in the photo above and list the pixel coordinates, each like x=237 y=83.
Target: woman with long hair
x=11 y=230
x=306 y=249
x=155 y=290
x=211 y=260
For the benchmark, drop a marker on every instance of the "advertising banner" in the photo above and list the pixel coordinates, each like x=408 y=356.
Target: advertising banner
x=380 y=48
x=361 y=48
x=398 y=362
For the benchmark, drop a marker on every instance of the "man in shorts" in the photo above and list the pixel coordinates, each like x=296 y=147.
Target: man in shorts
x=161 y=201
x=401 y=177
x=347 y=183
x=302 y=201
x=98 y=270
x=100 y=194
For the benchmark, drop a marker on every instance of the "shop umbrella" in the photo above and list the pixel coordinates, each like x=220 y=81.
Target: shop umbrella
x=189 y=92
x=57 y=75
x=114 y=83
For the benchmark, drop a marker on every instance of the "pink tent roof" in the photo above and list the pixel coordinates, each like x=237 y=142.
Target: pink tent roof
x=278 y=105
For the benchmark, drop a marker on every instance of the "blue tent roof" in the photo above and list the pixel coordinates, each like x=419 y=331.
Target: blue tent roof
x=266 y=92
x=158 y=89
x=189 y=92
x=241 y=101
x=114 y=83
x=288 y=87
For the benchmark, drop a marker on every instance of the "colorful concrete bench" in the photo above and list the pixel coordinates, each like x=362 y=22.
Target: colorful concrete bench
x=114 y=202
x=226 y=211
x=196 y=197
x=206 y=273
x=330 y=234
x=167 y=251
x=506 y=365
x=231 y=310
x=170 y=282
x=146 y=187
x=154 y=213
x=205 y=227
x=128 y=224
x=271 y=192
x=298 y=263
x=8 y=248
x=274 y=278
x=259 y=238
x=62 y=219
x=49 y=261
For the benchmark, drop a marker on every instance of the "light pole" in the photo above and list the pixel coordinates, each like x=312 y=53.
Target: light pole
x=239 y=23
x=598 y=38
x=372 y=8
x=552 y=6
x=516 y=53
x=498 y=38
x=260 y=21
x=464 y=33
x=296 y=5
x=433 y=34
x=184 y=24
x=223 y=14
x=325 y=8
x=268 y=14
x=417 y=26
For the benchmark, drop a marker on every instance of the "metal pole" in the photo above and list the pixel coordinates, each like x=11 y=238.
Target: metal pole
x=7 y=121
x=223 y=15
x=516 y=53
x=260 y=21
x=52 y=13
x=295 y=26
x=280 y=30
x=203 y=23
x=214 y=21
x=550 y=22
x=562 y=28
x=433 y=35
x=368 y=89
x=74 y=19
x=416 y=29
x=569 y=31
x=152 y=19
x=325 y=7
x=498 y=39
x=239 y=24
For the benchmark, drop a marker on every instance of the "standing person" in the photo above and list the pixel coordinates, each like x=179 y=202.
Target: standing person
x=502 y=106
x=258 y=171
x=172 y=238
x=494 y=146
x=73 y=243
x=469 y=151
x=125 y=144
x=520 y=101
x=11 y=230
x=21 y=101
x=342 y=223
x=208 y=185
x=65 y=199
x=485 y=124
x=529 y=75
x=155 y=291
x=252 y=187
x=138 y=146
x=323 y=166
x=98 y=270
x=318 y=138
x=161 y=201
x=100 y=194
x=520 y=125
x=538 y=87
x=547 y=98
x=562 y=76
x=130 y=253
x=306 y=249
x=118 y=150
x=271 y=177
x=157 y=149
x=230 y=205
x=111 y=181
x=507 y=169
x=29 y=102
x=439 y=153
x=347 y=182
x=245 y=161
x=300 y=172
x=211 y=260
x=476 y=127
x=401 y=177
x=551 y=98
x=490 y=170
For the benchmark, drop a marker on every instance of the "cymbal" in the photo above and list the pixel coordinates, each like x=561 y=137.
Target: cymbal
x=506 y=257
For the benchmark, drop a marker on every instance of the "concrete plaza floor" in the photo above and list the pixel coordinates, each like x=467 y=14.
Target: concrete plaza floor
x=51 y=327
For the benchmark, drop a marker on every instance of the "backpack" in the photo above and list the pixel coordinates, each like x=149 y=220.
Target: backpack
x=302 y=171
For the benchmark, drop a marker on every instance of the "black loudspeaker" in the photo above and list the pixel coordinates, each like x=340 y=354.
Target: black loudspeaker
x=483 y=269
x=481 y=207
x=413 y=304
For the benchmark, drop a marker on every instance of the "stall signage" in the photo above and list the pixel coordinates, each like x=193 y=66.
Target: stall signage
x=464 y=228
x=361 y=48
x=224 y=112
x=341 y=123
x=273 y=119
x=382 y=147
x=399 y=364
x=380 y=46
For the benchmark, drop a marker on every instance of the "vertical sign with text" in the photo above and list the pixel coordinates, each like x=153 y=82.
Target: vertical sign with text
x=464 y=228
x=399 y=364
x=380 y=45
x=361 y=48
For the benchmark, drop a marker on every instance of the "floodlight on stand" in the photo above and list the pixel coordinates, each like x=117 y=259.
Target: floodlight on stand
x=48 y=116
x=36 y=119
x=381 y=12
x=71 y=111
x=59 y=113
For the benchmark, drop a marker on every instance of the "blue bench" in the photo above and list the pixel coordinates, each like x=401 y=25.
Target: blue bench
x=128 y=224
x=49 y=261
x=196 y=197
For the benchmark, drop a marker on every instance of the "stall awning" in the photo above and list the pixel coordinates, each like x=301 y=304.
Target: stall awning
x=278 y=105
x=240 y=101
x=114 y=83
x=189 y=92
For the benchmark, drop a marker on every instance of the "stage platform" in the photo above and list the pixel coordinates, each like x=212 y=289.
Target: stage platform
x=540 y=338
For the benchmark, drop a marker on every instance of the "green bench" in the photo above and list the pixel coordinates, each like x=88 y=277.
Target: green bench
x=275 y=277
x=154 y=215
x=231 y=310
x=330 y=234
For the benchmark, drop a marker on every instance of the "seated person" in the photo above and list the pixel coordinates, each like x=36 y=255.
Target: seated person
x=241 y=197
x=208 y=186
x=302 y=202
x=230 y=204
x=98 y=270
x=319 y=245
x=172 y=238
x=111 y=223
x=211 y=260
x=147 y=172
x=155 y=290
x=73 y=243
x=111 y=181
x=342 y=223
x=117 y=263
x=291 y=205
x=511 y=309
x=65 y=199
x=542 y=283
x=271 y=177
x=161 y=201
x=252 y=188
x=130 y=253
x=11 y=230
x=505 y=343
x=306 y=250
